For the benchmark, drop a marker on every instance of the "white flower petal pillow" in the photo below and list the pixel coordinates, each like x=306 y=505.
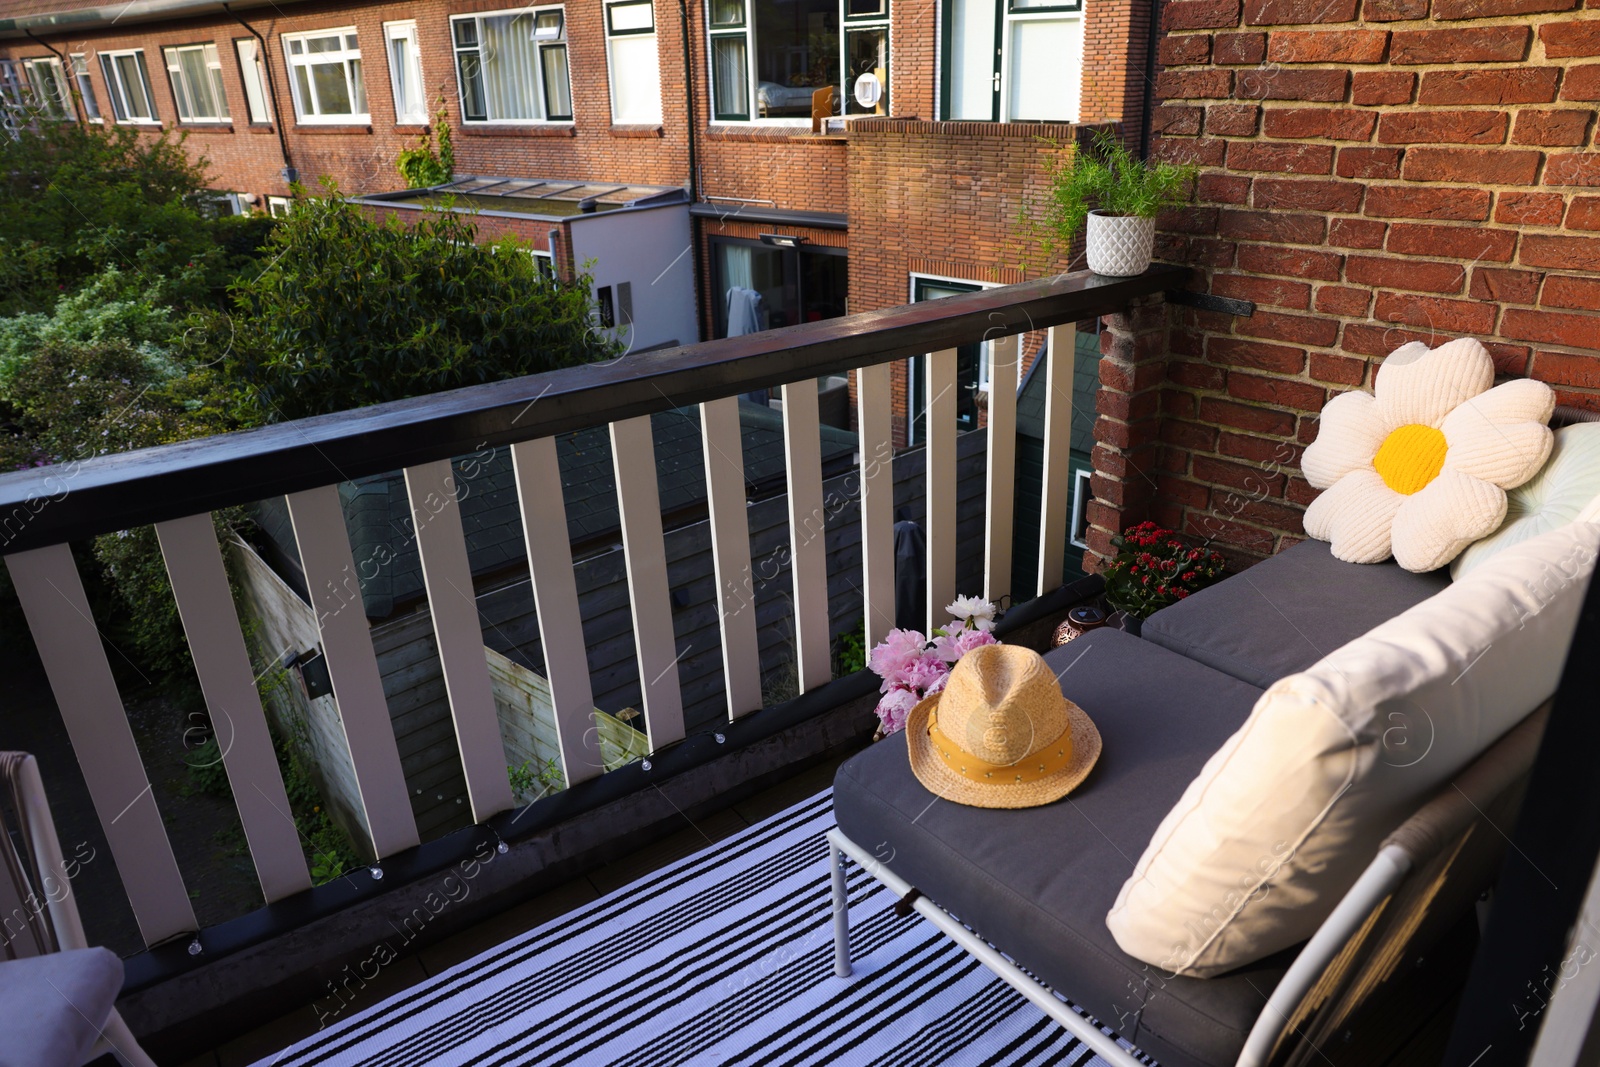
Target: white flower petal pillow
x=1418 y=469
x=1566 y=489
x=1289 y=812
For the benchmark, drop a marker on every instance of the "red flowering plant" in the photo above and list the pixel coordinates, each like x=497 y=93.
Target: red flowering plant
x=1155 y=567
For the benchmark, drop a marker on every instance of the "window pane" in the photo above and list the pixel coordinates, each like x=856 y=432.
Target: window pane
x=405 y=88
x=557 y=89
x=302 y=83
x=324 y=44
x=80 y=70
x=108 y=71
x=1038 y=91
x=857 y=8
x=360 y=85
x=797 y=52
x=727 y=12
x=510 y=68
x=868 y=54
x=635 y=80
x=333 y=92
x=729 y=68
x=255 y=95
x=466 y=33
x=132 y=80
x=547 y=25
x=631 y=17
x=471 y=71
x=197 y=76
x=972 y=60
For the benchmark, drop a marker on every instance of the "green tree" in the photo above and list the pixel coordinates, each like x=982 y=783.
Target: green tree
x=351 y=311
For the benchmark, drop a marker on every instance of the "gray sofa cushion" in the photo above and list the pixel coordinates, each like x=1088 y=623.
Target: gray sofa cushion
x=1038 y=881
x=53 y=1006
x=1287 y=612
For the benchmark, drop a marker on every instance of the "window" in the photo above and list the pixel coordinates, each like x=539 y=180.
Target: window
x=196 y=75
x=12 y=91
x=253 y=72
x=325 y=76
x=972 y=361
x=80 y=72
x=545 y=263
x=1011 y=60
x=512 y=67
x=635 y=62
x=48 y=83
x=278 y=206
x=1082 y=493
x=128 y=81
x=405 y=73
x=767 y=59
x=763 y=286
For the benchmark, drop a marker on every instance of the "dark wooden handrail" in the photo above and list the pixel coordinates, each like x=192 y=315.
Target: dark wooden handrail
x=78 y=499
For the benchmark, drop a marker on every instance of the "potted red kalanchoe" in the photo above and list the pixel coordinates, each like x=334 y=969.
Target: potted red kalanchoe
x=1155 y=567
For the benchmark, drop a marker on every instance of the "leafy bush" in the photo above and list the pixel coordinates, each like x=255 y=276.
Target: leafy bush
x=352 y=312
x=421 y=166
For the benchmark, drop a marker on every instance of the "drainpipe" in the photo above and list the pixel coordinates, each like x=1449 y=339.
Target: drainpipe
x=290 y=175
x=694 y=167
x=1147 y=108
x=66 y=72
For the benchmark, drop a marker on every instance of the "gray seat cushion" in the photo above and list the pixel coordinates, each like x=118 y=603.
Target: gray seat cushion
x=1038 y=882
x=1287 y=612
x=52 y=1007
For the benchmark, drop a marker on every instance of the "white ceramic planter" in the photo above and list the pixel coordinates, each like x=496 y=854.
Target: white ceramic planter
x=1119 y=245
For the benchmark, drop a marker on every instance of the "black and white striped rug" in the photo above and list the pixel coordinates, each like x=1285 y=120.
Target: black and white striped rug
x=725 y=957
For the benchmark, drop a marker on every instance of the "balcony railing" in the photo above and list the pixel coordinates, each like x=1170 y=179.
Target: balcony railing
x=176 y=487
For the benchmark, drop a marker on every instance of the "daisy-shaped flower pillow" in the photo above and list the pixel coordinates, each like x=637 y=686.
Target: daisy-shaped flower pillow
x=1419 y=470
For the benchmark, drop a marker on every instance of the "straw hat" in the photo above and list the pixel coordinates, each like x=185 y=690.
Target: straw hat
x=1000 y=734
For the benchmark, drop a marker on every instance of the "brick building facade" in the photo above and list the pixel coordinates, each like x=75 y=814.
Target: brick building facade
x=1413 y=170
x=903 y=192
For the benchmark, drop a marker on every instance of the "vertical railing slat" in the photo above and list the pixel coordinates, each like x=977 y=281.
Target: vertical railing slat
x=633 y=457
x=939 y=483
x=874 y=421
x=723 y=443
x=555 y=600
x=1001 y=468
x=808 y=543
x=69 y=644
x=1055 y=510
x=238 y=721
x=324 y=543
x=452 y=602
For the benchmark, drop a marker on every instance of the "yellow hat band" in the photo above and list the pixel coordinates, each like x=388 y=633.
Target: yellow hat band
x=1051 y=759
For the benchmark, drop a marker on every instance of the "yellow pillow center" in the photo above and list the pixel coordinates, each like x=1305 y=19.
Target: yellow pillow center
x=1410 y=457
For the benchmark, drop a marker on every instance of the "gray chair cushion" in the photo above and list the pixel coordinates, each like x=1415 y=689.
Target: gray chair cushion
x=1287 y=612
x=52 y=1007
x=1038 y=882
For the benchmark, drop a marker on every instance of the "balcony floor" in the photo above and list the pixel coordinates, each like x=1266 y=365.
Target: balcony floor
x=711 y=946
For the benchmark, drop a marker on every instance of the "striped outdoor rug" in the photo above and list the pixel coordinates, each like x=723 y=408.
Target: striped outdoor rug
x=725 y=957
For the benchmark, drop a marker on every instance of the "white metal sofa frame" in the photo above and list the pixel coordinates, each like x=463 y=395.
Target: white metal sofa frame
x=62 y=905
x=1426 y=843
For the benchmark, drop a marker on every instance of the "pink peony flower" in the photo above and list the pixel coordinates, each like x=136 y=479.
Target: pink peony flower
x=894 y=707
x=953 y=645
x=926 y=674
x=897 y=652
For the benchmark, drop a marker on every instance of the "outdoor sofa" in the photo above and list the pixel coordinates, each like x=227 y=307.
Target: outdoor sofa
x=1038 y=882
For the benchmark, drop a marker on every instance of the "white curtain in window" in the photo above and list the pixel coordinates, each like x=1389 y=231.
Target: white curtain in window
x=736 y=267
x=1041 y=59
x=732 y=89
x=635 y=80
x=972 y=60
x=511 y=67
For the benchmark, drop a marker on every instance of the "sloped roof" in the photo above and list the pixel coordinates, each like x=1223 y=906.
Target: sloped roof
x=1085 y=383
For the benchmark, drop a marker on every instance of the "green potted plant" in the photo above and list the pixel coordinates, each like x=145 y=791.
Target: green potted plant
x=1117 y=196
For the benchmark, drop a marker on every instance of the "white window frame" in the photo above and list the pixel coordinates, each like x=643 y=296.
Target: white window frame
x=746 y=29
x=54 y=106
x=11 y=83
x=85 y=86
x=355 y=79
x=1009 y=17
x=183 y=92
x=279 y=206
x=613 y=35
x=120 y=110
x=543 y=37
x=253 y=71
x=407 y=31
x=914 y=364
x=1082 y=493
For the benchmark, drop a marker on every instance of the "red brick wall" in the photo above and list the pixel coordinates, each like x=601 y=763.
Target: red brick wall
x=1413 y=173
